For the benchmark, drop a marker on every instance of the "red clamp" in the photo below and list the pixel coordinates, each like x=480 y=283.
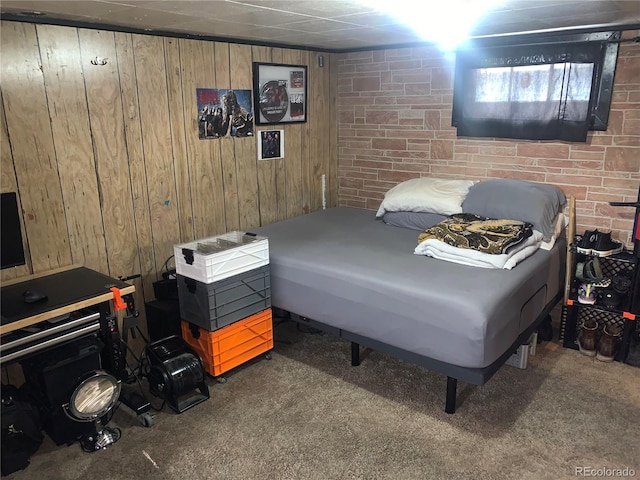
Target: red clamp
x=118 y=304
x=629 y=316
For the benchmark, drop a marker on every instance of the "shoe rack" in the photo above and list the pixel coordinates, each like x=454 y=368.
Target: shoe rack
x=624 y=313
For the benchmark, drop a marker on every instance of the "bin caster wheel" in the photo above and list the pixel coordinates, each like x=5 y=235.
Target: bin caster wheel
x=268 y=356
x=146 y=420
x=221 y=379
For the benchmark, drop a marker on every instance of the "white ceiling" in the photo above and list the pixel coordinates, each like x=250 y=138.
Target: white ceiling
x=315 y=24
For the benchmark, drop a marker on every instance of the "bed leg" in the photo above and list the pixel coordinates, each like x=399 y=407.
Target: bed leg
x=452 y=384
x=355 y=354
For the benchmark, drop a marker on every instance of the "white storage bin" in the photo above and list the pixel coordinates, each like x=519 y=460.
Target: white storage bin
x=212 y=259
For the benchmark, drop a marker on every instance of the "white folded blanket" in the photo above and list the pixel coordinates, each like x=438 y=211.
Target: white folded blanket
x=465 y=256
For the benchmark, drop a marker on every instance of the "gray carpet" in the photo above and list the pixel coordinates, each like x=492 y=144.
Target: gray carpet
x=307 y=414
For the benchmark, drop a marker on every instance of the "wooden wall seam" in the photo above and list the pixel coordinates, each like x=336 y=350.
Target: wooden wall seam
x=106 y=159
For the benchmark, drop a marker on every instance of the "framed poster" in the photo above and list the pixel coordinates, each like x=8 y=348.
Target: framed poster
x=279 y=93
x=270 y=144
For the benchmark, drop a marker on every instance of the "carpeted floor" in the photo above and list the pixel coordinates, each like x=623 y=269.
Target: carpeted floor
x=307 y=414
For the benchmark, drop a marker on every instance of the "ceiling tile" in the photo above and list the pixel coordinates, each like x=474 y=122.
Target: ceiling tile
x=321 y=24
x=315 y=8
x=85 y=8
x=370 y=19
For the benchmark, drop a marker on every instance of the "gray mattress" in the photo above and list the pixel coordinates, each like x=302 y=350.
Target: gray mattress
x=343 y=268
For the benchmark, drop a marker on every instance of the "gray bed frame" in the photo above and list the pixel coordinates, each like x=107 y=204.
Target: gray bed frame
x=474 y=376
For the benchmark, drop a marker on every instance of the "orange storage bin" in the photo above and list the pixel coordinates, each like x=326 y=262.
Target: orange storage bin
x=233 y=345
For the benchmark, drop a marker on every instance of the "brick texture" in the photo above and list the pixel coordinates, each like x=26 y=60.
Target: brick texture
x=395 y=124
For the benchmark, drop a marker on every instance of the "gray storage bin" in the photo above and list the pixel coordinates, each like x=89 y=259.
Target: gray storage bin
x=214 y=305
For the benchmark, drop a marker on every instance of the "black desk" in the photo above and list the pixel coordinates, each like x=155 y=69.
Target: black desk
x=72 y=288
x=79 y=302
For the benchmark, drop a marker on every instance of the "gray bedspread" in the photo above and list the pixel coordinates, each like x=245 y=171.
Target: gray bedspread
x=344 y=268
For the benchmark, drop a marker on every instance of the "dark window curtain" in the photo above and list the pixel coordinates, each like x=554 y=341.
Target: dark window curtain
x=538 y=92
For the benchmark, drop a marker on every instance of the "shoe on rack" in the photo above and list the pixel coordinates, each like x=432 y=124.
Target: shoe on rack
x=588 y=338
x=602 y=283
x=589 y=270
x=622 y=282
x=608 y=345
x=580 y=273
x=609 y=298
x=587 y=242
x=606 y=246
x=586 y=294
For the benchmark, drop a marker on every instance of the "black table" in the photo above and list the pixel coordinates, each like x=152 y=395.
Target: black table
x=78 y=303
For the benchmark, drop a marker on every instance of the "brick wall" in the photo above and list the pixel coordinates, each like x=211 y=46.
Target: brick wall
x=394 y=111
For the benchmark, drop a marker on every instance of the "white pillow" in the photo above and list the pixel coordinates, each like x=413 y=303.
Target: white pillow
x=434 y=195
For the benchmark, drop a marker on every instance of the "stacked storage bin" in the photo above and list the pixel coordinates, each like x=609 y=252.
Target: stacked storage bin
x=224 y=293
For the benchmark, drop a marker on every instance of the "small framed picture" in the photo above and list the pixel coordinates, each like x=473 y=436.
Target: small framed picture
x=270 y=144
x=279 y=93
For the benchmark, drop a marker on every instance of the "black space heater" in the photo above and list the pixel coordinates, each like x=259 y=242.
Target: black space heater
x=176 y=373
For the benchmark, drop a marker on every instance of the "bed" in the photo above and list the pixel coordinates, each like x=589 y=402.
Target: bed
x=347 y=272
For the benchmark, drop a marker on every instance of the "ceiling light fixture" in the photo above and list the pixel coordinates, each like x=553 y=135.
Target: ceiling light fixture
x=448 y=23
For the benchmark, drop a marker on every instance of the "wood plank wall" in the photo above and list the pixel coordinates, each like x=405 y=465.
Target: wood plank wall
x=106 y=160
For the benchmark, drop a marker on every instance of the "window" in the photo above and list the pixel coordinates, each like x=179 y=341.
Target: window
x=548 y=88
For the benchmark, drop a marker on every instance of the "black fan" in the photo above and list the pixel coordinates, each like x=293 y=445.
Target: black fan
x=176 y=373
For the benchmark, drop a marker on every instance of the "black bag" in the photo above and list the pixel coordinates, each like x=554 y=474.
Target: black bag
x=21 y=431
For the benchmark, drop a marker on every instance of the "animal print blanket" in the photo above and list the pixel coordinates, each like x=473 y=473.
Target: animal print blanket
x=492 y=236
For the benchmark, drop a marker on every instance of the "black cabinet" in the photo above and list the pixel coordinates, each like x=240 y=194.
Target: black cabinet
x=163 y=318
x=615 y=304
x=51 y=376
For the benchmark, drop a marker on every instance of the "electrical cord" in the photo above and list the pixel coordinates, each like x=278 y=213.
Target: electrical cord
x=165 y=265
x=146 y=340
x=142 y=370
x=130 y=351
x=160 y=408
x=145 y=369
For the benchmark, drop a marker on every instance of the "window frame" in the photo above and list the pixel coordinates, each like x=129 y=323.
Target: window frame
x=604 y=66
